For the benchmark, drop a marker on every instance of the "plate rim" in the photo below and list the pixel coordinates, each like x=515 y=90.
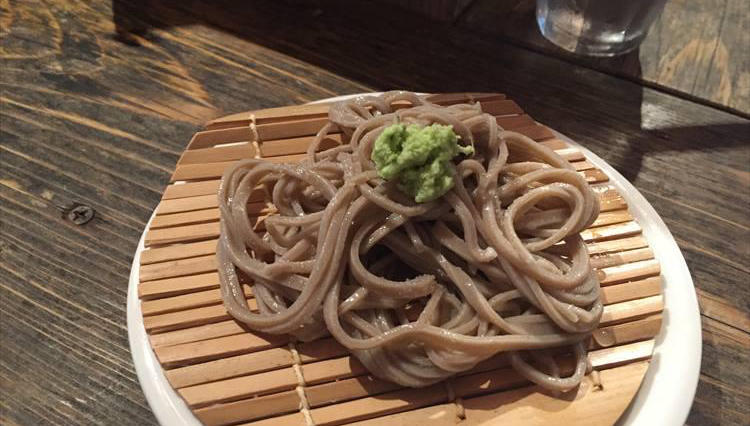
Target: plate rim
x=661 y=378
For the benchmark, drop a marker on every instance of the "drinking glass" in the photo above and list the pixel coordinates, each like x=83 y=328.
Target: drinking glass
x=597 y=27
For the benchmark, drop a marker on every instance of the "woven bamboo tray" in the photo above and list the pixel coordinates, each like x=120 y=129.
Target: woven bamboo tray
x=229 y=375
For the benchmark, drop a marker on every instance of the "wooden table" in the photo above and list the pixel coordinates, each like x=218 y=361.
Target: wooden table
x=99 y=100
x=696 y=49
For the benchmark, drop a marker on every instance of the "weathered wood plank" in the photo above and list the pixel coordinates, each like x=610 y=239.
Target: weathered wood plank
x=704 y=61
x=98 y=114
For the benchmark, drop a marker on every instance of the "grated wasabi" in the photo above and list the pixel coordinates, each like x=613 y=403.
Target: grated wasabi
x=418 y=158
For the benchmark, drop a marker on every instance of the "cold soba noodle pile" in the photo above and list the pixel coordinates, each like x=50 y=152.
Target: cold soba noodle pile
x=489 y=261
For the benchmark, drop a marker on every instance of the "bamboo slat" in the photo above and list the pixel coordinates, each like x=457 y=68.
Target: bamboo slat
x=177 y=251
x=176 y=268
x=621 y=305
x=271 y=115
x=597 y=248
x=336 y=368
x=528 y=406
x=195 y=302
x=179 y=294
x=178 y=285
x=482 y=379
x=229 y=375
x=195 y=334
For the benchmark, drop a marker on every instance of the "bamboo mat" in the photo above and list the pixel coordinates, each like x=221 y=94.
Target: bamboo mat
x=228 y=375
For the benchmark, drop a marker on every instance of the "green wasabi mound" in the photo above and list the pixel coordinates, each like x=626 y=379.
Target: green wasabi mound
x=418 y=158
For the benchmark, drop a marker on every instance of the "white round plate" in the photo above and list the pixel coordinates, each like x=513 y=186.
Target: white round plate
x=667 y=391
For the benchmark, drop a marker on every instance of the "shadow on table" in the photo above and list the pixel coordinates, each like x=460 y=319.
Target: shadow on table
x=384 y=47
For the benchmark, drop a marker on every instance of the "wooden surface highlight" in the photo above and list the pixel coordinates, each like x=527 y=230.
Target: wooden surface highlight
x=228 y=374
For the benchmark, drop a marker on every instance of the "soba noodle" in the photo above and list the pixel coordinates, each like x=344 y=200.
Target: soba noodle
x=417 y=292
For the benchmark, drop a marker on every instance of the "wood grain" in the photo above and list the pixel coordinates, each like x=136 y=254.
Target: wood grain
x=707 y=62
x=98 y=100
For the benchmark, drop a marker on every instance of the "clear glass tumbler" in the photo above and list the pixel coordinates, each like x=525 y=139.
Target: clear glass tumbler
x=597 y=27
